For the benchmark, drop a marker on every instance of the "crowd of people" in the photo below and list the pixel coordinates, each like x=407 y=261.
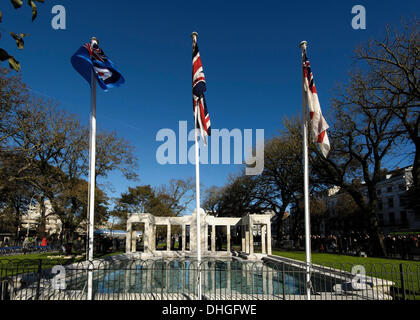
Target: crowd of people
x=107 y=244
x=67 y=246
x=404 y=246
x=357 y=243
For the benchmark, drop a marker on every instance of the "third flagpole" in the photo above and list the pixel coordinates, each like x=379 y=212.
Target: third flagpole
x=194 y=36
x=303 y=46
x=92 y=177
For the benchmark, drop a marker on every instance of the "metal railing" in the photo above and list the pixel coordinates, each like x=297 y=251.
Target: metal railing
x=273 y=279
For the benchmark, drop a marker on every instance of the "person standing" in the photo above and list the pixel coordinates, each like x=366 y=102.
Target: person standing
x=26 y=244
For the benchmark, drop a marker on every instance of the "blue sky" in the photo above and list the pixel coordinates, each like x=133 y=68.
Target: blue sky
x=250 y=51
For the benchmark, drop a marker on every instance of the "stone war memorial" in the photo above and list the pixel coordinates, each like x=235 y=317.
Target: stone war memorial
x=149 y=224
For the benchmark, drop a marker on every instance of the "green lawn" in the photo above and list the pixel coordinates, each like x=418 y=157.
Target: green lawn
x=388 y=269
x=48 y=259
x=327 y=259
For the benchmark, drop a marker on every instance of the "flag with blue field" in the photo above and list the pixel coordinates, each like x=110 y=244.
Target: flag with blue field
x=90 y=56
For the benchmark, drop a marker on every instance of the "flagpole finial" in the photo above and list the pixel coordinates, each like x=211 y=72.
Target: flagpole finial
x=303 y=45
x=94 y=40
x=194 y=35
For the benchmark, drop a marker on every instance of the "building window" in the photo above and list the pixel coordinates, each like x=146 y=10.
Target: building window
x=380 y=204
x=390 y=203
x=379 y=192
x=404 y=219
x=381 y=219
x=389 y=189
x=402 y=201
x=391 y=218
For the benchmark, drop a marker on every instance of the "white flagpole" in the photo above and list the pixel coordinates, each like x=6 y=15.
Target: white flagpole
x=194 y=36
x=92 y=177
x=197 y=188
x=303 y=46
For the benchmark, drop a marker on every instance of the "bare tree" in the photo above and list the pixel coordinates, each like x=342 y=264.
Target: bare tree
x=393 y=63
x=282 y=177
x=361 y=139
x=177 y=195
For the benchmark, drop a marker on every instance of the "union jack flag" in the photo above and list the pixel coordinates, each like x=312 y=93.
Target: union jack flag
x=318 y=123
x=199 y=87
x=95 y=52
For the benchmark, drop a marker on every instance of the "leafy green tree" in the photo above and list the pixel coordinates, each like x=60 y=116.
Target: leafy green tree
x=136 y=200
x=141 y=199
x=211 y=200
x=165 y=201
x=13 y=96
x=54 y=149
x=236 y=199
x=71 y=206
x=16 y=196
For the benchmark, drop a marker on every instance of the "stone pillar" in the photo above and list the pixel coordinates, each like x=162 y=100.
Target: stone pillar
x=167 y=277
x=183 y=270
x=228 y=237
x=127 y=277
x=133 y=240
x=213 y=278
x=263 y=233
x=128 y=238
x=247 y=238
x=269 y=239
x=146 y=237
x=152 y=242
x=249 y=275
x=213 y=238
x=149 y=283
x=206 y=236
x=251 y=236
x=243 y=249
x=229 y=277
x=270 y=282
x=264 y=271
x=184 y=237
x=168 y=237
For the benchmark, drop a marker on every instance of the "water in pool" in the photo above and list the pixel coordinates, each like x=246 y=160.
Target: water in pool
x=228 y=277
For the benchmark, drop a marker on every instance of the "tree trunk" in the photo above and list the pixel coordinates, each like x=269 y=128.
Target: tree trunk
x=279 y=228
x=280 y=221
x=375 y=234
x=42 y=220
x=416 y=166
x=17 y=223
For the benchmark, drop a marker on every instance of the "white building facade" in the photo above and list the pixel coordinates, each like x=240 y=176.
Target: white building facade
x=391 y=212
x=31 y=220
